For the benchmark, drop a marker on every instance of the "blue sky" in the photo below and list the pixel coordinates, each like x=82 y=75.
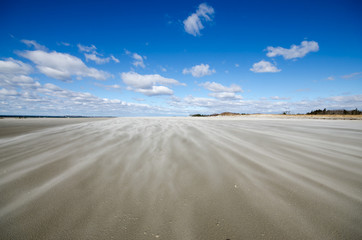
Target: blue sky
x=146 y=58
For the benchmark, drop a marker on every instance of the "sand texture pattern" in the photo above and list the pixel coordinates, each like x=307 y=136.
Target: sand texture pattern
x=183 y=178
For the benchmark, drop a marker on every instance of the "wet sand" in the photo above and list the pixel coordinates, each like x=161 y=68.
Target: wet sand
x=183 y=178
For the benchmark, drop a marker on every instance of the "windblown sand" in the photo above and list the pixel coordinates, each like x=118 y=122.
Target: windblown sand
x=182 y=178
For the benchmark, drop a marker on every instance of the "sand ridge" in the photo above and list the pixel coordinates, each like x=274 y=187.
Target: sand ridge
x=183 y=178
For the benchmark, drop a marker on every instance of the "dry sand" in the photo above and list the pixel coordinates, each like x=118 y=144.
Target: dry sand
x=9 y=127
x=183 y=178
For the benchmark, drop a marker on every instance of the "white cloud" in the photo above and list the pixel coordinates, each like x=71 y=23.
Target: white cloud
x=33 y=43
x=138 y=60
x=65 y=44
x=116 y=60
x=96 y=59
x=145 y=81
x=221 y=92
x=155 y=90
x=193 y=24
x=349 y=101
x=13 y=82
x=62 y=66
x=225 y=95
x=199 y=70
x=294 y=51
x=217 y=87
x=83 y=48
x=90 y=53
x=13 y=74
x=148 y=84
x=6 y=92
x=264 y=66
x=12 y=66
x=279 y=98
x=199 y=101
x=108 y=87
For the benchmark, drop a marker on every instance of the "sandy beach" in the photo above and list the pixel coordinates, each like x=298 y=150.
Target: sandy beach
x=181 y=178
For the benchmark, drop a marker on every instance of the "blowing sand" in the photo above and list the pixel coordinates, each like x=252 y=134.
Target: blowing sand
x=183 y=178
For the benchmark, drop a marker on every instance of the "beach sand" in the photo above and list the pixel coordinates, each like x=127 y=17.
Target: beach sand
x=181 y=178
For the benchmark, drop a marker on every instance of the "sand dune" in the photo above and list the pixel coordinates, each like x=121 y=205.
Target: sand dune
x=183 y=178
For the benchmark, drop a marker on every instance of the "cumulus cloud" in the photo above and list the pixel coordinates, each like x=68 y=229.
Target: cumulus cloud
x=217 y=87
x=199 y=70
x=145 y=81
x=294 y=51
x=16 y=81
x=222 y=92
x=263 y=67
x=13 y=74
x=149 y=85
x=62 y=66
x=12 y=66
x=193 y=24
x=32 y=43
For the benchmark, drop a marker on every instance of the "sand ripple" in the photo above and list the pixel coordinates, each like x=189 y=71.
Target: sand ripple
x=183 y=178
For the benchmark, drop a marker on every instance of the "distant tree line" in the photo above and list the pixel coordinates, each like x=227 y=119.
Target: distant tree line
x=335 y=112
x=315 y=112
